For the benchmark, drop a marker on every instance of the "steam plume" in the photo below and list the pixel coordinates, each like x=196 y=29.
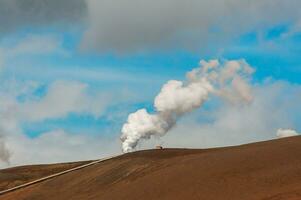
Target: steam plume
x=4 y=152
x=228 y=80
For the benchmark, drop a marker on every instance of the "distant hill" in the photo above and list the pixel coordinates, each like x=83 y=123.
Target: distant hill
x=268 y=170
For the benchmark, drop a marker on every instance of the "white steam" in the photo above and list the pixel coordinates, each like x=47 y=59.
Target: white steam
x=176 y=98
x=282 y=133
x=4 y=152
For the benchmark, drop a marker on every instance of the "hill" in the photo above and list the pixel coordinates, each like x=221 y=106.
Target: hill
x=268 y=170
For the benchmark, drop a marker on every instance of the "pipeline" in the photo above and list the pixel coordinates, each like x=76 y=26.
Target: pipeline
x=54 y=175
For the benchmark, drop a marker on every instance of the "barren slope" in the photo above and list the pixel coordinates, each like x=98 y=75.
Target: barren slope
x=18 y=175
x=267 y=170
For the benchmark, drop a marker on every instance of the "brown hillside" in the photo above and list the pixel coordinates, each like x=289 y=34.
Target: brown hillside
x=261 y=171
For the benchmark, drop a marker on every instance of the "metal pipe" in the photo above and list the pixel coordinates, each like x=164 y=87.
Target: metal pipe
x=54 y=175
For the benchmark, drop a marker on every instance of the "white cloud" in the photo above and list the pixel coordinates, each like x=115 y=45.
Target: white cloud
x=4 y=152
x=58 y=146
x=295 y=29
x=62 y=98
x=30 y=45
x=35 y=45
x=282 y=133
x=65 y=97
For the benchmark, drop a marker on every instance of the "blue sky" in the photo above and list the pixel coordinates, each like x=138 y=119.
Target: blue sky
x=156 y=68
x=109 y=71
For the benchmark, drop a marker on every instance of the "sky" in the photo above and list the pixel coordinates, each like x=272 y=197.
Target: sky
x=72 y=71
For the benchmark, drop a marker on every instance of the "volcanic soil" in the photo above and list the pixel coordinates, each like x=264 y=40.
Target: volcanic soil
x=268 y=170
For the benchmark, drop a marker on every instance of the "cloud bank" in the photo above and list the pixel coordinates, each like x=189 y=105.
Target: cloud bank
x=141 y=25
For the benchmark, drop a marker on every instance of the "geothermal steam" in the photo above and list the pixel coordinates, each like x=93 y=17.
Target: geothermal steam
x=228 y=80
x=4 y=152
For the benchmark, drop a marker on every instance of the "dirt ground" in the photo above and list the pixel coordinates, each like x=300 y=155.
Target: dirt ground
x=18 y=175
x=261 y=171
